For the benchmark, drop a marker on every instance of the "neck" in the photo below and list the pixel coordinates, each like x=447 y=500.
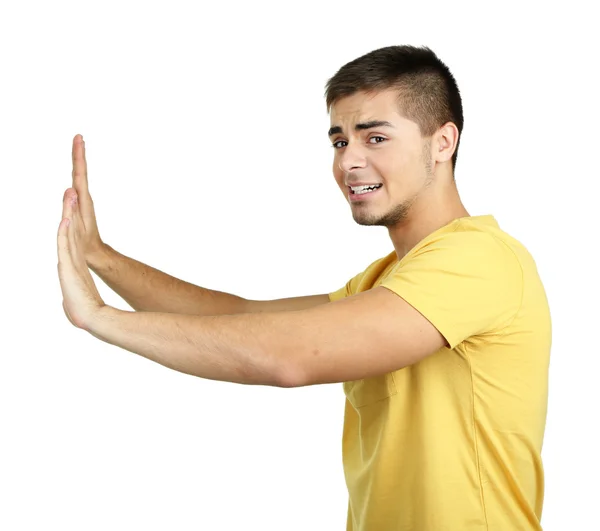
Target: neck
x=429 y=212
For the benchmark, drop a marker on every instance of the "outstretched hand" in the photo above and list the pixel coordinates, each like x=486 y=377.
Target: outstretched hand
x=81 y=300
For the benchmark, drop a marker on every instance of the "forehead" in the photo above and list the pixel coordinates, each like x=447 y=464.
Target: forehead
x=365 y=106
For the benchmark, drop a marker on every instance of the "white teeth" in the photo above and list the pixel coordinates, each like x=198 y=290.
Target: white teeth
x=365 y=188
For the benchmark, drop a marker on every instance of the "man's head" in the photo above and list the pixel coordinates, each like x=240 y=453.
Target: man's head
x=396 y=118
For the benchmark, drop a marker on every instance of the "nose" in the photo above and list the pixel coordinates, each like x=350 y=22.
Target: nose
x=352 y=158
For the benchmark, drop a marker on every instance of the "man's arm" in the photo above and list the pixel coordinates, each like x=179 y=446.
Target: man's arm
x=148 y=289
x=368 y=334
x=365 y=335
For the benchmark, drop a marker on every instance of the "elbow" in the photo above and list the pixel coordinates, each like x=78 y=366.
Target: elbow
x=289 y=375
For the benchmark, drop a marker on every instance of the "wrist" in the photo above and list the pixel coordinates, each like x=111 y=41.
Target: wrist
x=102 y=320
x=98 y=258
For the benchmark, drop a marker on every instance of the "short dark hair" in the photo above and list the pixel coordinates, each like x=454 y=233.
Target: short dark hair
x=427 y=91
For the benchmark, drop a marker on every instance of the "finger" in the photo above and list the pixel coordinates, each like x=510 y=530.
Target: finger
x=80 y=182
x=67 y=235
x=73 y=229
x=68 y=196
x=62 y=243
x=77 y=218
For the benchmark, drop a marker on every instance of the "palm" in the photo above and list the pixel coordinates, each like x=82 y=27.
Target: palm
x=78 y=236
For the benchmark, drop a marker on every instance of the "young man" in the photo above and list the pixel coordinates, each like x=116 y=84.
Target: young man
x=443 y=345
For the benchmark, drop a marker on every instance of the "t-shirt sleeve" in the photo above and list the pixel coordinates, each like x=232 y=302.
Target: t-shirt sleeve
x=464 y=283
x=348 y=289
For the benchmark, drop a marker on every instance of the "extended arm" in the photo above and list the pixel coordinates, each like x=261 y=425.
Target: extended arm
x=365 y=335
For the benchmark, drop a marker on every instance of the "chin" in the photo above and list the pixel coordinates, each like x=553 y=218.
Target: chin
x=389 y=219
x=368 y=220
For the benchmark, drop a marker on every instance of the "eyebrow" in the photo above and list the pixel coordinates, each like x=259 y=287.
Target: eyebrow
x=359 y=127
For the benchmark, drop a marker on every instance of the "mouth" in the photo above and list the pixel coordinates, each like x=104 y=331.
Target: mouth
x=359 y=193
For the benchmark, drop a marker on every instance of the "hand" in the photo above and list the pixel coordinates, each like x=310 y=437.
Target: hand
x=81 y=300
x=90 y=238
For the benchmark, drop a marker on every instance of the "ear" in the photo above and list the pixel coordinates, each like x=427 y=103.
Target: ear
x=444 y=142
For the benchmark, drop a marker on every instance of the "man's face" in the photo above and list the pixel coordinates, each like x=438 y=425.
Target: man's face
x=375 y=145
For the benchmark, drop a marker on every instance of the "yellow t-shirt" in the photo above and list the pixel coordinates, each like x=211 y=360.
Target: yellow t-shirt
x=454 y=441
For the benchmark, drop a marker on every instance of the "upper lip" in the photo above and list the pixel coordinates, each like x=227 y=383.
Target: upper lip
x=351 y=185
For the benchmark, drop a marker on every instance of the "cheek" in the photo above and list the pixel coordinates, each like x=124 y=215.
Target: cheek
x=392 y=168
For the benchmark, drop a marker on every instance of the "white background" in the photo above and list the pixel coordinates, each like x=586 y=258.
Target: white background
x=205 y=126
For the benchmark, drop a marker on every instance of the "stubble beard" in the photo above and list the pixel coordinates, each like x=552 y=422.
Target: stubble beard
x=391 y=218
x=398 y=213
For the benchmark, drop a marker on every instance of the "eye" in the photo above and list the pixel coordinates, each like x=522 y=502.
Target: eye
x=378 y=138
x=337 y=143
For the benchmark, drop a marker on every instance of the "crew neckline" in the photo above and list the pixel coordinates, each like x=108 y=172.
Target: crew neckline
x=486 y=219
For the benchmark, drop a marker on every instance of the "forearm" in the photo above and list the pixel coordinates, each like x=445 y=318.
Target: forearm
x=232 y=348
x=148 y=289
